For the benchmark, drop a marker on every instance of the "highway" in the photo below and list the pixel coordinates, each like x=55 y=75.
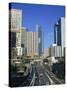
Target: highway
x=39 y=76
x=44 y=77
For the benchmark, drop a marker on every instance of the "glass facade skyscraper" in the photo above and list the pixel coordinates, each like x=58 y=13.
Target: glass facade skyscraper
x=40 y=39
x=59 y=32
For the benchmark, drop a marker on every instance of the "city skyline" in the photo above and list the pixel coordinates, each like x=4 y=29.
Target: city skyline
x=37 y=13
x=26 y=42
x=28 y=64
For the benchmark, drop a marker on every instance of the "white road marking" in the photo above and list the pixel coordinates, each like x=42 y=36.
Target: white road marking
x=54 y=77
x=51 y=81
x=33 y=80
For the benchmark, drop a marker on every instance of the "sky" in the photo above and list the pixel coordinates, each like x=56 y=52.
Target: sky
x=44 y=15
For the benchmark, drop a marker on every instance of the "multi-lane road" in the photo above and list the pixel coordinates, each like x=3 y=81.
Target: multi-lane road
x=45 y=77
x=42 y=76
x=39 y=75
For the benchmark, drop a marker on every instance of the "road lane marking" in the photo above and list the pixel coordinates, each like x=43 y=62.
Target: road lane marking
x=33 y=80
x=54 y=77
x=57 y=80
x=51 y=81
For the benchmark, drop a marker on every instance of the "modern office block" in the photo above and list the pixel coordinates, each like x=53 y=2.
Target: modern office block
x=39 y=40
x=15 y=21
x=24 y=40
x=34 y=42
x=36 y=53
x=30 y=44
x=59 y=32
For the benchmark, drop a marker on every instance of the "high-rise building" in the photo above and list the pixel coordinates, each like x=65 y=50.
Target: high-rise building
x=15 y=23
x=59 y=33
x=39 y=40
x=30 y=42
x=15 y=19
x=34 y=42
x=24 y=40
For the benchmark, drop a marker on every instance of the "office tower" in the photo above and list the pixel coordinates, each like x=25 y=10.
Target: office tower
x=15 y=23
x=32 y=41
x=36 y=44
x=59 y=33
x=15 y=19
x=24 y=40
x=30 y=44
x=39 y=40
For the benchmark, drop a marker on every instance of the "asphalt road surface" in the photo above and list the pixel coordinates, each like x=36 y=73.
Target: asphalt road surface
x=45 y=77
x=40 y=76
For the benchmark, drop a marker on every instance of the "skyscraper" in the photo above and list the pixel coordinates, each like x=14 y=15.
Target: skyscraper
x=39 y=38
x=34 y=42
x=15 y=23
x=30 y=43
x=24 y=40
x=15 y=19
x=59 y=33
x=24 y=36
